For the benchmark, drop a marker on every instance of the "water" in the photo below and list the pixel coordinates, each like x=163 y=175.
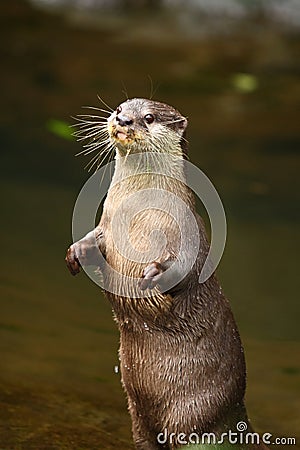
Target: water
x=58 y=340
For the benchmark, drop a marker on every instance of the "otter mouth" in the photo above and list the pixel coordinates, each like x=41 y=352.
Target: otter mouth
x=122 y=136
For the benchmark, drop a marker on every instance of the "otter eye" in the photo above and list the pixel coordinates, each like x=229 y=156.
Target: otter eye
x=118 y=110
x=149 y=118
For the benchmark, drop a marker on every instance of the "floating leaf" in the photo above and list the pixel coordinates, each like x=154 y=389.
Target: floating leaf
x=59 y=128
x=244 y=82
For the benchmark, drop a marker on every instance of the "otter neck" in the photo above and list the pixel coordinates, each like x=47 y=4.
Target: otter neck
x=162 y=166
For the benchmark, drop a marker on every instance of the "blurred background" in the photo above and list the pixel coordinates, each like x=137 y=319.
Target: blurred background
x=233 y=68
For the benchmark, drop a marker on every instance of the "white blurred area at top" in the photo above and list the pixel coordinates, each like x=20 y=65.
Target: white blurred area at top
x=285 y=13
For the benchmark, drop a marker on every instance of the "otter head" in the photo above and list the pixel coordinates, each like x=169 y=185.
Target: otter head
x=140 y=125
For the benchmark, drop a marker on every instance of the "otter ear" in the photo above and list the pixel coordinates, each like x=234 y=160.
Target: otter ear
x=182 y=124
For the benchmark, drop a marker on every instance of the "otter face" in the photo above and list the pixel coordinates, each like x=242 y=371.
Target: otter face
x=139 y=125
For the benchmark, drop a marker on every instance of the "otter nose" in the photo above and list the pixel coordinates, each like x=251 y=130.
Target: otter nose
x=123 y=120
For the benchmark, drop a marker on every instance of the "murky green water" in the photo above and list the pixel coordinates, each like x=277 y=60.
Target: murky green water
x=58 y=341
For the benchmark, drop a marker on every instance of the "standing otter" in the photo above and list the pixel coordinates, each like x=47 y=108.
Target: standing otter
x=182 y=360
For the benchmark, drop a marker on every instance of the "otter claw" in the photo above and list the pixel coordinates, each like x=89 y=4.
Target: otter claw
x=151 y=276
x=85 y=252
x=72 y=261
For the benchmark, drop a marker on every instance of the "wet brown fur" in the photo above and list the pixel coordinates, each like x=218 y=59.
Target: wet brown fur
x=181 y=357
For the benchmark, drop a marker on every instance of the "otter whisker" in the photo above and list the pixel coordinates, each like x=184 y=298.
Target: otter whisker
x=93 y=141
x=92 y=128
x=88 y=124
x=84 y=117
x=99 y=159
x=127 y=153
x=90 y=148
x=86 y=129
x=173 y=121
x=92 y=116
x=96 y=158
x=110 y=154
x=87 y=151
x=105 y=104
x=98 y=109
x=82 y=122
x=91 y=132
x=91 y=163
x=92 y=137
x=125 y=90
x=97 y=142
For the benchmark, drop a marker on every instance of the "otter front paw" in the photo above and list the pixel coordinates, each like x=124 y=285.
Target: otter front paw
x=151 y=276
x=85 y=252
x=72 y=260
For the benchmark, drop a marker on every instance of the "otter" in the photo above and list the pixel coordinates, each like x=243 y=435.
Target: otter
x=181 y=357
